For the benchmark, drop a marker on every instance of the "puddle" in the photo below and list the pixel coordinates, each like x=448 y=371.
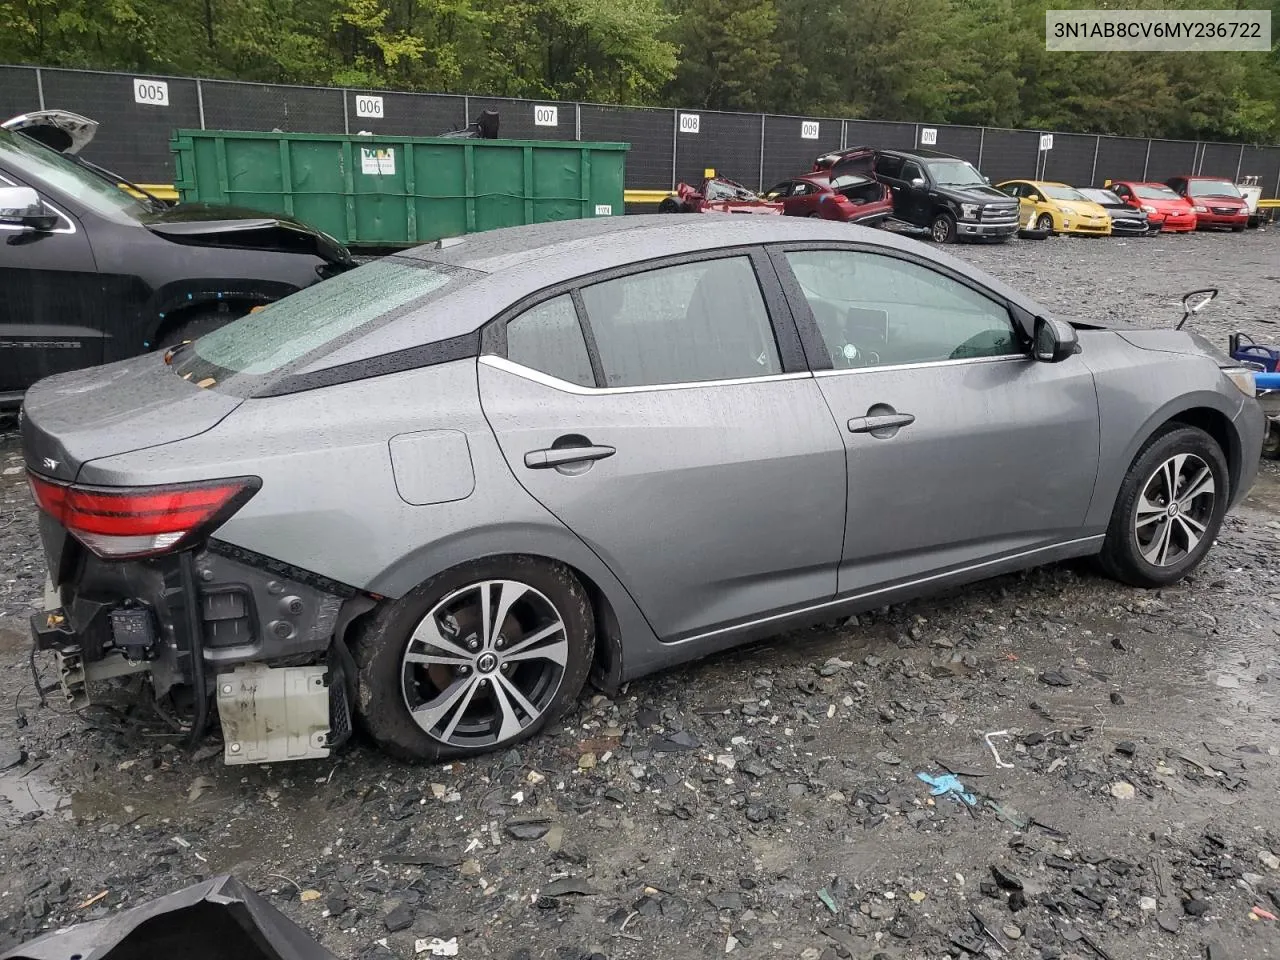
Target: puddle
x=22 y=795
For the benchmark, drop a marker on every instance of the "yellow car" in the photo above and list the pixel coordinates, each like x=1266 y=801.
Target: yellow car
x=1057 y=208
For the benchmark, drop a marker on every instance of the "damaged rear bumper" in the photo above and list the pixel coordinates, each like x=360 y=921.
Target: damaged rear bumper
x=217 y=629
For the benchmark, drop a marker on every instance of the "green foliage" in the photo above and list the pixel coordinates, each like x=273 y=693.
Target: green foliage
x=956 y=61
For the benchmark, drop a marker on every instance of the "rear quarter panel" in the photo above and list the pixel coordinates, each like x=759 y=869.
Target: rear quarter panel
x=1138 y=391
x=329 y=501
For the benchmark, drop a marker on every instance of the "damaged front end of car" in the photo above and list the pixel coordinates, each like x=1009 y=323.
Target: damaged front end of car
x=139 y=587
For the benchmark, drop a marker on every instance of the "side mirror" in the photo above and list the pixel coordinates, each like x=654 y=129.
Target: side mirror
x=986 y=179
x=22 y=207
x=1055 y=340
x=917 y=182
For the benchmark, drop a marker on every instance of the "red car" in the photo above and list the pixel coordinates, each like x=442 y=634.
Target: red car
x=1218 y=201
x=1164 y=208
x=717 y=195
x=846 y=192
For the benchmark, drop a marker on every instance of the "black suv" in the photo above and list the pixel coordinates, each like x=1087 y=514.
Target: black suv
x=91 y=274
x=942 y=194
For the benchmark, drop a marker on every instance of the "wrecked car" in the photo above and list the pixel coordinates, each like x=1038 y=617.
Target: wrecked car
x=847 y=192
x=718 y=195
x=92 y=274
x=438 y=492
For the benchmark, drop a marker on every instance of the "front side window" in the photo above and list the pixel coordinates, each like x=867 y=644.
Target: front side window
x=873 y=310
x=911 y=171
x=682 y=324
x=549 y=338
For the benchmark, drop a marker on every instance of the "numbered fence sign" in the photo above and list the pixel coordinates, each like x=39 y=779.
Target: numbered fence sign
x=1046 y=141
x=368 y=106
x=929 y=136
x=155 y=93
x=809 y=130
x=689 y=122
x=546 y=116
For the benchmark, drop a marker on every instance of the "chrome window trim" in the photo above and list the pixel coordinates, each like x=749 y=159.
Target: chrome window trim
x=921 y=364
x=10 y=228
x=901 y=585
x=547 y=380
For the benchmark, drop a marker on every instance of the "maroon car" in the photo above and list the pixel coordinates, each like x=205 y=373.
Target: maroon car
x=1218 y=201
x=717 y=195
x=846 y=191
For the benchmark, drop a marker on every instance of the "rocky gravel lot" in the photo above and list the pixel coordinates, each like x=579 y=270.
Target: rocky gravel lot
x=1115 y=758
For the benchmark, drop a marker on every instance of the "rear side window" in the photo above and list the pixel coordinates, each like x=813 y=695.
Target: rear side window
x=887 y=166
x=548 y=338
x=681 y=324
x=316 y=319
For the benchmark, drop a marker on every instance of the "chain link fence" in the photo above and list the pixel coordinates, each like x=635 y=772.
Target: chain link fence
x=137 y=115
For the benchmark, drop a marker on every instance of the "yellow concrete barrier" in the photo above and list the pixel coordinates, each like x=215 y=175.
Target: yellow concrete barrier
x=165 y=191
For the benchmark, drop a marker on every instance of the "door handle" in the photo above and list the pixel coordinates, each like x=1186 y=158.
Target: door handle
x=888 y=421
x=559 y=456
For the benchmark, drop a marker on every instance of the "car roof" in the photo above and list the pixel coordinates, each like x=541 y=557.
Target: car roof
x=918 y=154
x=517 y=262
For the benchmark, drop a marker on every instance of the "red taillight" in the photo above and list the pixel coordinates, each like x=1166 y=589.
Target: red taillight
x=121 y=522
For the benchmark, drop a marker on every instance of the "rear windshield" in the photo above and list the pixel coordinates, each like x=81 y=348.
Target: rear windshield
x=1152 y=192
x=1212 y=188
x=316 y=320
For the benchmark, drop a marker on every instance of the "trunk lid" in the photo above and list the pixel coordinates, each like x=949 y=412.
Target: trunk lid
x=857 y=163
x=72 y=418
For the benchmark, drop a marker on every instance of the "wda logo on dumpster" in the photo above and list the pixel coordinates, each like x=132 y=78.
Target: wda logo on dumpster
x=378 y=161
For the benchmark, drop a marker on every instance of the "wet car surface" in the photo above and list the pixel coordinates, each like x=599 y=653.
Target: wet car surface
x=726 y=803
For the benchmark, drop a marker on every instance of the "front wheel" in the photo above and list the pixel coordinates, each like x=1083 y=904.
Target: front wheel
x=943 y=228
x=671 y=205
x=1238 y=229
x=1169 y=510
x=475 y=659
x=1045 y=223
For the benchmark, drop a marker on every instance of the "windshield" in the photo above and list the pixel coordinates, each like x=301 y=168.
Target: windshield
x=727 y=190
x=1061 y=193
x=1154 y=192
x=1212 y=188
x=45 y=168
x=319 y=316
x=1103 y=197
x=955 y=173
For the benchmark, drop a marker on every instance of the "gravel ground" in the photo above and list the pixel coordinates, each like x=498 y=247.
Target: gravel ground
x=763 y=803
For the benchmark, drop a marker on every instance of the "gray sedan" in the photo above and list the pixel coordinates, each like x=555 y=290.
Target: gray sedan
x=435 y=494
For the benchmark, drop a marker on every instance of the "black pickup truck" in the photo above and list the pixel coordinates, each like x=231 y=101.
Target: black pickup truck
x=92 y=274
x=941 y=194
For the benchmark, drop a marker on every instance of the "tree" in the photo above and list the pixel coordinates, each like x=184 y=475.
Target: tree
x=728 y=53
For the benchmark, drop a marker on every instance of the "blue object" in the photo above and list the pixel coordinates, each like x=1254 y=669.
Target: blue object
x=947 y=784
x=1267 y=381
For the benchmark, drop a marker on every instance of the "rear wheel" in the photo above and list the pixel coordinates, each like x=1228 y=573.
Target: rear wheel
x=943 y=228
x=475 y=659
x=1169 y=510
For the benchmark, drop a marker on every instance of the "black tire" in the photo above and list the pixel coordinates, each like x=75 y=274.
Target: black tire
x=1122 y=554
x=1239 y=229
x=196 y=324
x=1045 y=222
x=943 y=228
x=383 y=678
x=671 y=205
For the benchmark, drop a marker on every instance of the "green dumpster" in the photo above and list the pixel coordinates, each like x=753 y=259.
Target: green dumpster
x=399 y=191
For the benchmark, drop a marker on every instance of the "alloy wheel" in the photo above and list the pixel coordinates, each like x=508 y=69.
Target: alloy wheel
x=1045 y=222
x=484 y=663
x=941 y=230
x=1174 y=509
